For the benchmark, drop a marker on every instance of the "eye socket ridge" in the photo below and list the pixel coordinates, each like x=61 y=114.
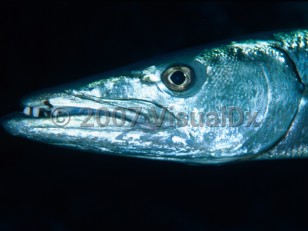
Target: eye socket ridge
x=178 y=77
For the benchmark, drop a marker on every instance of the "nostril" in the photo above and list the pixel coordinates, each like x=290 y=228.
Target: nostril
x=47 y=103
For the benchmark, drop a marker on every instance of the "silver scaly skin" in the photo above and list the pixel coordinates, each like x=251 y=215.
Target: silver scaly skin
x=263 y=79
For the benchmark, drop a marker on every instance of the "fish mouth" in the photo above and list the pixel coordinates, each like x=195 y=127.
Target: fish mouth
x=79 y=112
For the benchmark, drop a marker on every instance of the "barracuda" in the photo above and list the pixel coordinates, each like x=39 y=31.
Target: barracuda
x=237 y=101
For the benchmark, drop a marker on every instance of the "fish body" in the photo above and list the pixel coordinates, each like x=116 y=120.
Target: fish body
x=237 y=101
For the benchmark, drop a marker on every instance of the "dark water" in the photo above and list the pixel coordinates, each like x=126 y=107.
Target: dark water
x=48 y=188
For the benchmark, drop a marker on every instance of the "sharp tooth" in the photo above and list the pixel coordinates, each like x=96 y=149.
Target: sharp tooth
x=35 y=112
x=27 y=111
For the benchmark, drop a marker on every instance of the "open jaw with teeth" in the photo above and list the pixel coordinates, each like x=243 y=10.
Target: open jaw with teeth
x=113 y=114
x=47 y=110
x=43 y=111
x=37 y=112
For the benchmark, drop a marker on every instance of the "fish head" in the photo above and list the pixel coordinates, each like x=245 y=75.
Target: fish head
x=218 y=105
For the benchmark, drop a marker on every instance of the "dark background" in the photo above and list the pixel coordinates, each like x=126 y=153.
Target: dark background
x=43 y=187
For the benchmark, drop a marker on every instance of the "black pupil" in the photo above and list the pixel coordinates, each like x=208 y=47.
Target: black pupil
x=177 y=77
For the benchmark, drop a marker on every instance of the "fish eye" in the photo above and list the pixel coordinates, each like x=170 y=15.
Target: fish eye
x=178 y=78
